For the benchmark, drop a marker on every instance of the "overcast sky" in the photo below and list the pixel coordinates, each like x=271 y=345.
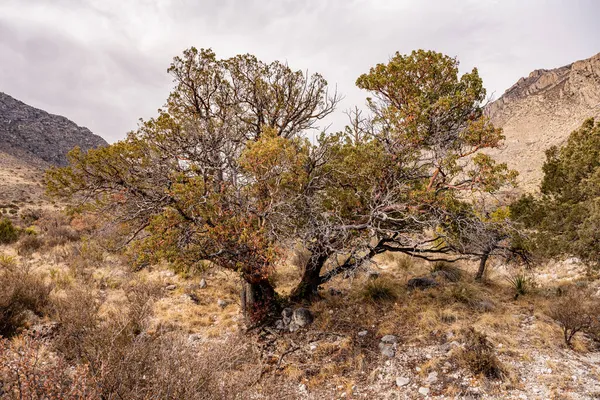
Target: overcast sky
x=102 y=63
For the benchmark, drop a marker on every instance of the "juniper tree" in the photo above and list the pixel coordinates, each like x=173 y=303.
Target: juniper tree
x=565 y=217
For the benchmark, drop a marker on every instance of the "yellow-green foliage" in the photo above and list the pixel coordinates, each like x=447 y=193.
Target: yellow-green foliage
x=8 y=232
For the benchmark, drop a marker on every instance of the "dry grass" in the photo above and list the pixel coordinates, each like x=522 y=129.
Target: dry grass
x=22 y=292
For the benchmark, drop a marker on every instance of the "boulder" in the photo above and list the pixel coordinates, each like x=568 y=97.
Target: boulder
x=202 y=283
x=432 y=377
x=387 y=346
x=402 y=381
x=222 y=303
x=389 y=339
x=387 y=350
x=302 y=317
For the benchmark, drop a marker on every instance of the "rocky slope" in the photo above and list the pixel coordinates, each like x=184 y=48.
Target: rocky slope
x=33 y=135
x=542 y=110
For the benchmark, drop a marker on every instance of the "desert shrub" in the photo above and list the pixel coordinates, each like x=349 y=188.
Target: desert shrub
x=380 y=289
x=31 y=215
x=447 y=271
x=8 y=232
x=29 y=244
x=520 y=283
x=22 y=291
x=7 y=262
x=23 y=376
x=57 y=229
x=478 y=355
x=464 y=293
x=574 y=312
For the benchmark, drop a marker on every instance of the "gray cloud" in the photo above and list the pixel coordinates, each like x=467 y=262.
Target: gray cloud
x=103 y=63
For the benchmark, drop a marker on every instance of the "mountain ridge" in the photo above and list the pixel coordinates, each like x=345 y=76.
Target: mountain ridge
x=35 y=135
x=541 y=110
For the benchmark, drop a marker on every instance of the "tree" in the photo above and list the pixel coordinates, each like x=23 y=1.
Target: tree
x=190 y=186
x=565 y=217
x=394 y=177
x=485 y=232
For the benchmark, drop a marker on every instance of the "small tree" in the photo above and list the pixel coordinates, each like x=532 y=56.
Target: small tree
x=574 y=313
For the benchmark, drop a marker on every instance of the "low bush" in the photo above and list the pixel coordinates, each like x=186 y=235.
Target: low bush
x=447 y=271
x=521 y=284
x=127 y=361
x=8 y=232
x=464 y=293
x=57 y=229
x=23 y=376
x=29 y=244
x=478 y=356
x=22 y=292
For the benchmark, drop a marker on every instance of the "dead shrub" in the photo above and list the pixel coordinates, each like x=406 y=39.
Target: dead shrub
x=57 y=229
x=31 y=215
x=22 y=291
x=574 y=312
x=23 y=374
x=29 y=244
x=478 y=356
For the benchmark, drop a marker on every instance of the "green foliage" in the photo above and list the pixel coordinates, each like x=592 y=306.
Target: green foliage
x=520 y=283
x=8 y=232
x=566 y=217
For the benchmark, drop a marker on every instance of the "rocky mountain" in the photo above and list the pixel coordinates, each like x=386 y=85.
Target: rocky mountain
x=37 y=136
x=542 y=110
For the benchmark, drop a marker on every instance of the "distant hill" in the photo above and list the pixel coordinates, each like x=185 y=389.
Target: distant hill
x=542 y=110
x=38 y=137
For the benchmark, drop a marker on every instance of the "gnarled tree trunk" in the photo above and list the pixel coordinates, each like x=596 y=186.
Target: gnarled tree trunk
x=258 y=301
x=308 y=287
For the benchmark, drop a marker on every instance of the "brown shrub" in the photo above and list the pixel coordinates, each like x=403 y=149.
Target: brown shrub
x=22 y=291
x=57 y=229
x=574 y=312
x=29 y=244
x=479 y=357
x=31 y=215
x=23 y=376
